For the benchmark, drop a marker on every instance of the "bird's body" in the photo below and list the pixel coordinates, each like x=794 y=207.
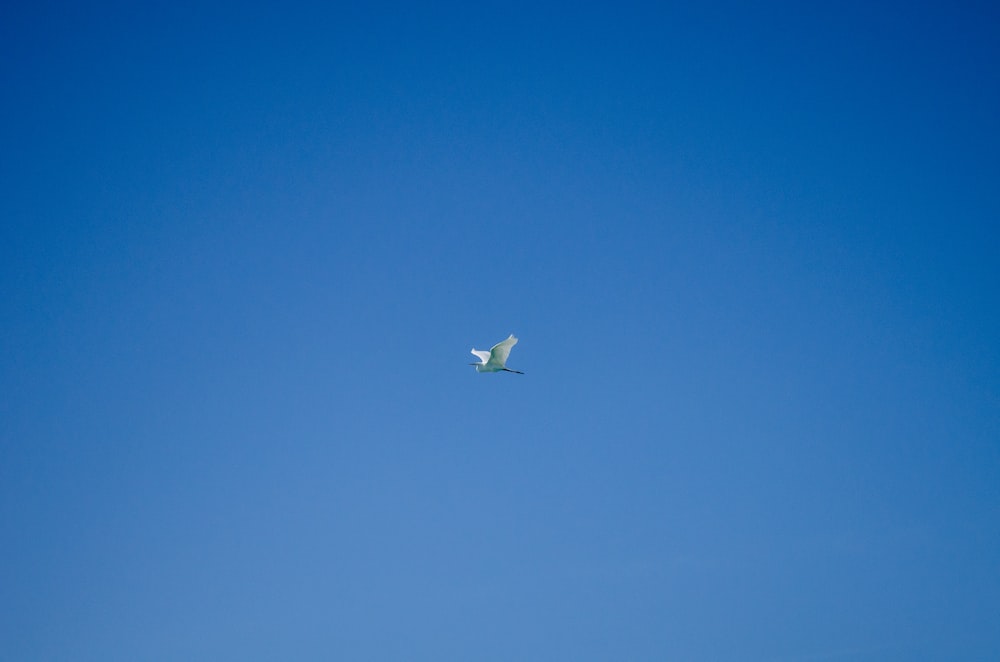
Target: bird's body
x=495 y=360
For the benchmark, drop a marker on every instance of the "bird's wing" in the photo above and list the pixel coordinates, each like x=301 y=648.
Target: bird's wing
x=483 y=355
x=500 y=351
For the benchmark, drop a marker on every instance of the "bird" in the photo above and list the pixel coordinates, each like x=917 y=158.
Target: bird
x=495 y=360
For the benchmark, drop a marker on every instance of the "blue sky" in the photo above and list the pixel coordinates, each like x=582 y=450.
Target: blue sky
x=750 y=254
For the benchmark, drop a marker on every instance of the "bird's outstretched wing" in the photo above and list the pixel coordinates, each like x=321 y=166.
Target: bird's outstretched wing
x=500 y=351
x=482 y=354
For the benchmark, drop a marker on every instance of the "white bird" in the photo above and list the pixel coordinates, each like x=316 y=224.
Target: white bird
x=495 y=360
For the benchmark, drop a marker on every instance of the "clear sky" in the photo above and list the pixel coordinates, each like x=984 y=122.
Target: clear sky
x=750 y=251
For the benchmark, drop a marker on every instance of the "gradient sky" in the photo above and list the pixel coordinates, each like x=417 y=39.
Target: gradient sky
x=751 y=254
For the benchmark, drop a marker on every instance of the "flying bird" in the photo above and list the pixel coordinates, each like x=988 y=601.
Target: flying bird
x=495 y=360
